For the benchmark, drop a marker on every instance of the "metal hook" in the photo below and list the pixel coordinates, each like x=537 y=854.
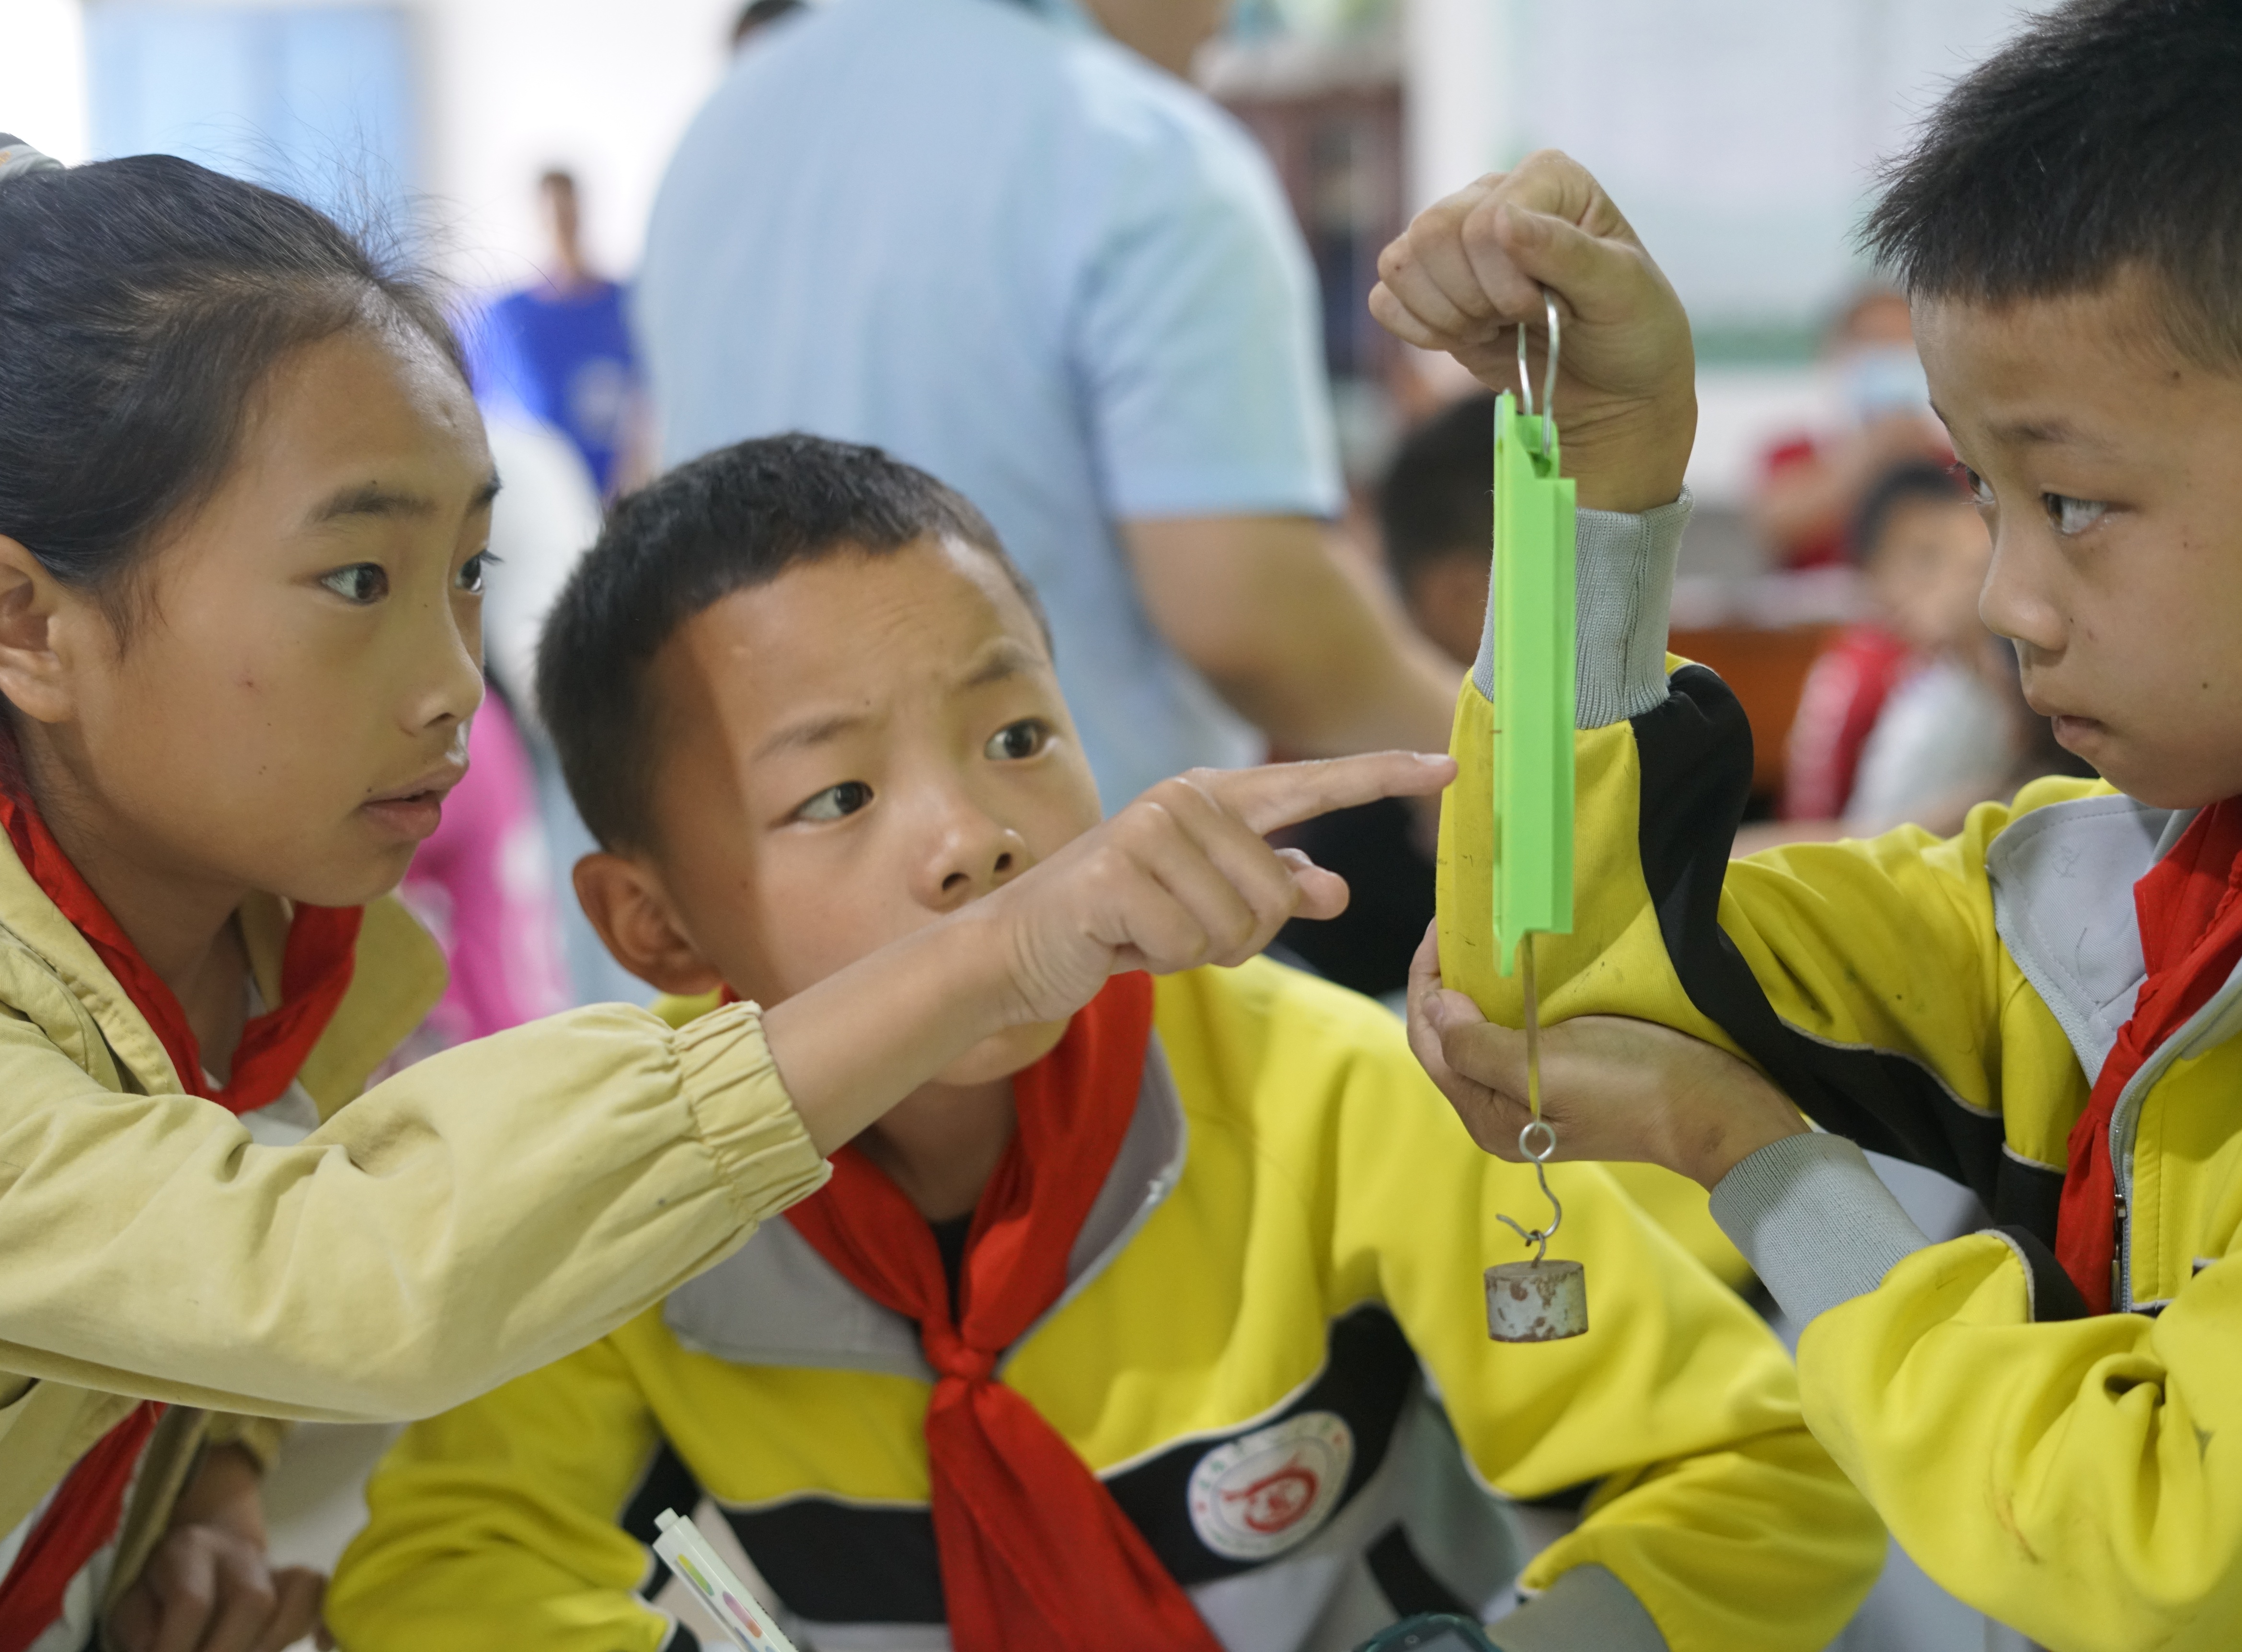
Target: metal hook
x=1539 y=1237
x=1549 y=371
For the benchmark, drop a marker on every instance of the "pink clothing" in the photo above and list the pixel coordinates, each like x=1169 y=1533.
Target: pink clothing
x=483 y=886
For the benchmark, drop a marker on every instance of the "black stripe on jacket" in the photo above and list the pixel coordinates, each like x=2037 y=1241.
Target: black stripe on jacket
x=1696 y=758
x=836 y=1563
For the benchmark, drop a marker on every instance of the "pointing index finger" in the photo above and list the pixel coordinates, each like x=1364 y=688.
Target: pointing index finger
x=1286 y=794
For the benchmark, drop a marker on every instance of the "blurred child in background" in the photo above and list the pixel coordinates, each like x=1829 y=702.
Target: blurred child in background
x=1813 y=482
x=1907 y=707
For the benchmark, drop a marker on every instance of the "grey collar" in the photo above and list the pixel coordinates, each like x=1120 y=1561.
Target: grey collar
x=775 y=1301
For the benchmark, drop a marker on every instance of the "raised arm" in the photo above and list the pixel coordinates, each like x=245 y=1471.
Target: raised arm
x=498 y=1205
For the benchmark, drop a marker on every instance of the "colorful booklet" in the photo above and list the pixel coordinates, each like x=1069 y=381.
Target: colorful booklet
x=692 y=1559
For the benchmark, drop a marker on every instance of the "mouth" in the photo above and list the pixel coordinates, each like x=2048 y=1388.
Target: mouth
x=411 y=811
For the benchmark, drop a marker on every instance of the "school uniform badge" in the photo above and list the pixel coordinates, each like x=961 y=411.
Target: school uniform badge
x=1264 y=1493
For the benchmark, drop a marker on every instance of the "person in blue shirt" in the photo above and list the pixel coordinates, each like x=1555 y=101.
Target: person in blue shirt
x=1008 y=242
x=562 y=350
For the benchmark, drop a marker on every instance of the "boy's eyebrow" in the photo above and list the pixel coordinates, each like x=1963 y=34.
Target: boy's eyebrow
x=1006 y=658
x=811 y=731
x=2057 y=432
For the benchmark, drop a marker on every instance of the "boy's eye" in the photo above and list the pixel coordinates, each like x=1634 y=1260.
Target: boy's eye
x=1975 y=483
x=1016 y=741
x=2072 y=516
x=474 y=570
x=361 y=582
x=836 y=802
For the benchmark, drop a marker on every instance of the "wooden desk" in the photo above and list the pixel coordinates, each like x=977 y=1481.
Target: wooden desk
x=1765 y=668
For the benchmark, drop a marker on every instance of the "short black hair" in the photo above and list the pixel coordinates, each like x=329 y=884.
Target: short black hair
x=728 y=522
x=1911 y=481
x=2107 y=134
x=1437 y=499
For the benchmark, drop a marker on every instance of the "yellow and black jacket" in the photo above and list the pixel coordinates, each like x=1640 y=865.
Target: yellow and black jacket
x=1272 y=1348
x=1947 y=1003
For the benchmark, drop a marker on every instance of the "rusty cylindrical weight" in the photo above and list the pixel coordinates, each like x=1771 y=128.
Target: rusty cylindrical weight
x=1537 y=1301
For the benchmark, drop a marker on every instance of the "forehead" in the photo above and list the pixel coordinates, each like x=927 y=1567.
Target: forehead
x=2074 y=368
x=850 y=630
x=369 y=404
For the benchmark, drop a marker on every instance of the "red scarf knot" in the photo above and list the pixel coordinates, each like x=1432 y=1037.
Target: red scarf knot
x=953 y=1359
x=1035 y=1555
x=2190 y=928
x=315 y=973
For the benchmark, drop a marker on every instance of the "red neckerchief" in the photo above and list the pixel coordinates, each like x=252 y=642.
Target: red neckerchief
x=82 y=1516
x=315 y=972
x=2191 y=924
x=1035 y=1554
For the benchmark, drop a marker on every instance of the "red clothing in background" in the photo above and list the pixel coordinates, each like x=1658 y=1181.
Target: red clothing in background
x=1837 y=710
x=1822 y=550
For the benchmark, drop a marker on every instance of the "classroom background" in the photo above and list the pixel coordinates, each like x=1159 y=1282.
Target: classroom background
x=517 y=145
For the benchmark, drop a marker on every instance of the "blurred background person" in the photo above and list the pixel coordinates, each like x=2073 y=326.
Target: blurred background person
x=1009 y=243
x=1915 y=715
x=561 y=350
x=1812 y=483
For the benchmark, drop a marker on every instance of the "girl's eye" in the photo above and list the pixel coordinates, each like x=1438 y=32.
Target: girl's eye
x=361 y=582
x=1016 y=741
x=2072 y=516
x=1975 y=484
x=836 y=803
x=474 y=570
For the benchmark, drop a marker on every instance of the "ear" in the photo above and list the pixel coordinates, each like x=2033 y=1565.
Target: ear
x=628 y=907
x=33 y=674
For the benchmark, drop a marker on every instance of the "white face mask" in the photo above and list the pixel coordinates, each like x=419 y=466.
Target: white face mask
x=1880 y=382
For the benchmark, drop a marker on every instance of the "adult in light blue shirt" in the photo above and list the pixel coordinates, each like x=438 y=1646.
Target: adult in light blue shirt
x=990 y=238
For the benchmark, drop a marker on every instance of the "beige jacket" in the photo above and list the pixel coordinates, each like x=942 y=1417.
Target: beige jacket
x=481 y=1214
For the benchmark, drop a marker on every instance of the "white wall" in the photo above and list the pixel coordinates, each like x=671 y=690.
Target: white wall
x=515 y=85
x=1739 y=135
x=508 y=87
x=42 y=76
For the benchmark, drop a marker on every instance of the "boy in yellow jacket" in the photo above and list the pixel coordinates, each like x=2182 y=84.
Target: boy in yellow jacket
x=1117 y=1334
x=2042 y=1008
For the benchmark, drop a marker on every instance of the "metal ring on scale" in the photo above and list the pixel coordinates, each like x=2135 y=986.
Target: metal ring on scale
x=1549 y=371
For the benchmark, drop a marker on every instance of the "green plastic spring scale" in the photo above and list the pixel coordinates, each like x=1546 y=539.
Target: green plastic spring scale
x=1536 y=1301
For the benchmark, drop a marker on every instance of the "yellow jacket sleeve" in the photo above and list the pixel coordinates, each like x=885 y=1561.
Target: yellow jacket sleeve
x=2070 y=1478
x=485 y=1212
x=495 y=1524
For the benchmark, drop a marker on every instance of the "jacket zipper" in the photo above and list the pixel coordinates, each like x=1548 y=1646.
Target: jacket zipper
x=2125 y=1123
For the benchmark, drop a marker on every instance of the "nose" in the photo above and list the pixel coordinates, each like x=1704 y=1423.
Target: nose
x=2017 y=600
x=447 y=671
x=969 y=852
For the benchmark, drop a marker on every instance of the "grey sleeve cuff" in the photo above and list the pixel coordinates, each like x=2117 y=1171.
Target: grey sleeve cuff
x=1624 y=574
x=1586 y=1610
x=1816 y=1221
